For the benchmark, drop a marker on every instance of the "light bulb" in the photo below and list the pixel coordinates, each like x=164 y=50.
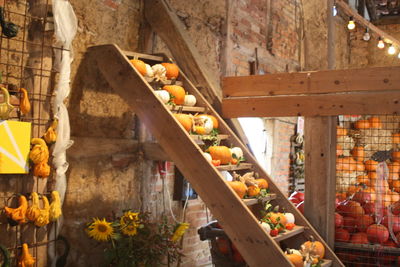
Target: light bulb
x=366 y=36
x=398 y=56
x=381 y=44
x=351 y=25
x=392 y=50
x=334 y=11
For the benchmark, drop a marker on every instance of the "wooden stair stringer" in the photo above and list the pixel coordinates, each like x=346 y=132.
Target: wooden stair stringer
x=255 y=245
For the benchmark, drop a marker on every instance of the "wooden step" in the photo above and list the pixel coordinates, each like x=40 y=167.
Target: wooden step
x=296 y=230
x=241 y=166
x=166 y=82
x=253 y=201
x=186 y=109
x=197 y=137
x=132 y=55
x=326 y=263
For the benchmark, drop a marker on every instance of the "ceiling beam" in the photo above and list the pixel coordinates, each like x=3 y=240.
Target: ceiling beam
x=371 y=9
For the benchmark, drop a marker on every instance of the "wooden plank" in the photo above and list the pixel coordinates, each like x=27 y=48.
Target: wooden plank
x=326 y=263
x=288 y=234
x=186 y=109
x=315 y=105
x=169 y=27
x=202 y=137
x=153 y=151
x=368 y=247
x=241 y=166
x=132 y=55
x=256 y=246
x=253 y=201
x=320 y=170
x=317 y=82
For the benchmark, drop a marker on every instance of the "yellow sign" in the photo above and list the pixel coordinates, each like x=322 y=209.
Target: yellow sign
x=15 y=137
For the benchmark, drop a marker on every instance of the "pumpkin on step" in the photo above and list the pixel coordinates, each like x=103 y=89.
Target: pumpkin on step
x=294 y=258
x=177 y=92
x=172 y=70
x=239 y=188
x=163 y=95
x=276 y=217
x=202 y=125
x=190 y=100
x=139 y=65
x=314 y=248
x=253 y=190
x=221 y=153
x=185 y=120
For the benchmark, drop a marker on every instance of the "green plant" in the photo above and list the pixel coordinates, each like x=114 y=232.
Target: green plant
x=134 y=241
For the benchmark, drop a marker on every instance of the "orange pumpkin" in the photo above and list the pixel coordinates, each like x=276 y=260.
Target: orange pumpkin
x=295 y=259
x=372 y=175
x=360 y=166
x=371 y=165
x=394 y=166
x=358 y=153
x=253 y=190
x=139 y=65
x=353 y=189
x=362 y=124
x=185 y=120
x=340 y=131
x=221 y=153
x=339 y=150
x=346 y=164
x=239 y=188
x=396 y=156
x=396 y=138
x=375 y=122
x=319 y=249
x=276 y=218
x=262 y=183
x=172 y=70
x=394 y=196
x=396 y=186
x=363 y=179
x=178 y=92
x=214 y=119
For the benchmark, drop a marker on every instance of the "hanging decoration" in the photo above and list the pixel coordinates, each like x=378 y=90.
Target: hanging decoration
x=65 y=23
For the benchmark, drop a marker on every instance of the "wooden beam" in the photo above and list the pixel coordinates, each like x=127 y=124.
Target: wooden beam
x=387 y=20
x=351 y=12
x=318 y=82
x=371 y=7
x=386 y=102
x=167 y=25
x=320 y=175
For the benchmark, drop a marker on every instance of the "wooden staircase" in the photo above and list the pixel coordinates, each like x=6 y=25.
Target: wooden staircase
x=235 y=215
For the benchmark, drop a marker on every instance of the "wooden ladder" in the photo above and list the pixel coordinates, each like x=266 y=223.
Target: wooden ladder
x=235 y=215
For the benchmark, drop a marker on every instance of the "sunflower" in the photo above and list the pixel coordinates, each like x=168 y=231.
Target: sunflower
x=129 y=223
x=100 y=230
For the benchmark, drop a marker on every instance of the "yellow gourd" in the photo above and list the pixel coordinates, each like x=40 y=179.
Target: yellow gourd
x=25 y=105
x=55 y=206
x=34 y=210
x=41 y=170
x=26 y=259
x=51 y=136
x=39 y=152
x=18 y=214
x=43 y=218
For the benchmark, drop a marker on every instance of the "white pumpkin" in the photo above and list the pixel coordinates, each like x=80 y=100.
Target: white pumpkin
x=204 y=122
x=159 y=72
x=207 y=156
x=190 y=100
x=266 y=227
x=149 y=71
x=289 y=217
x=236 y=152
x=294 y=251
x=163 y=95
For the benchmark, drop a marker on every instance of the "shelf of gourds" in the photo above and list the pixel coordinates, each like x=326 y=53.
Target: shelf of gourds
x=204 y=130
x=367 y=218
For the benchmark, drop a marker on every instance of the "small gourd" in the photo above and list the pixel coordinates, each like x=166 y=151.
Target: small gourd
x=185 y=120
x=18 y=214
x=149 y=71
x=221 y=153
x=5 y=107
x=159 y=72
x=43 y=218
x=253 y=190
x=237 y=152
x=190 y=100
x=289 y=217
x=202 y=125
x=207 y=156
x=39 y=152
x=34 y=210
x=55 y=206
x=163 y=96
x=24 y=105
x=41 y=170
x=172 y=70
x=295 y=259
x=177 y=92
x=26 y=259
x=266 y=227
x=139 y=65
x=51 y=136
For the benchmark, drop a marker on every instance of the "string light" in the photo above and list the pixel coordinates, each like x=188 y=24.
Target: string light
x=351 y=25
x=391 y=50
x=398 y=56
x=334 y=10
x=381 y=44
x=366 y=36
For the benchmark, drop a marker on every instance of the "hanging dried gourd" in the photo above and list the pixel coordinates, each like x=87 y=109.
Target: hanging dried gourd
x=24 y=105
x=41 y=170
x=43 y=218
x=18 y=214
x=55 y=206
x=26 y=259
x=5 y=107
x=34 y=210
x=51 y=136
x=39 y=152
